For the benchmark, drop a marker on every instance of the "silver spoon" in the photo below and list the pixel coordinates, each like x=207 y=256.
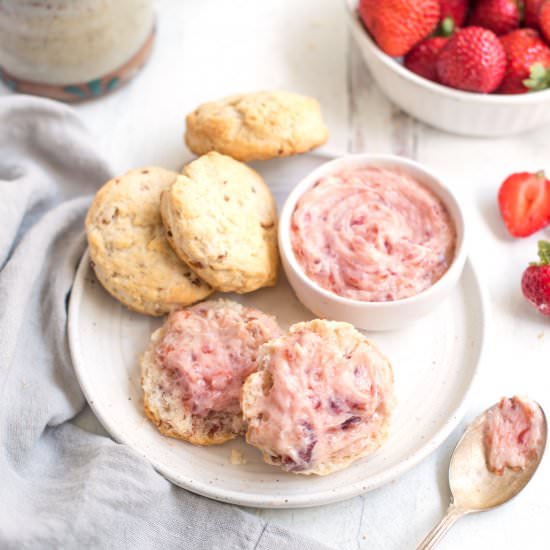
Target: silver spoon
x=473 y=487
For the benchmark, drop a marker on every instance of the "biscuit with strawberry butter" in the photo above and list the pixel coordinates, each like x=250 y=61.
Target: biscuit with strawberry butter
x=321 y=398
x=193 y=371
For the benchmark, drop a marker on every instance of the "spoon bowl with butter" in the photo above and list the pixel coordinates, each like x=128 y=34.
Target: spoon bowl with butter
x=494 y=460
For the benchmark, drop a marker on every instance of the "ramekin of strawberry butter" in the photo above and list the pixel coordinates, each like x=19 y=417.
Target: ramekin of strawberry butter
x=374 y=240
x=73 y=50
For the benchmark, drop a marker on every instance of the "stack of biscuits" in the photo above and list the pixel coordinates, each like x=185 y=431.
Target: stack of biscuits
x=159 y=240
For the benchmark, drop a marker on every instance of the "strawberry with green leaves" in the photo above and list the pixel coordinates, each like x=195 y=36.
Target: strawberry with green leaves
x=398 y=25
x=473 y=59
x=524 y=202
x=528 y=65
x=456 y=10
x=422 y=58
x=535 y=282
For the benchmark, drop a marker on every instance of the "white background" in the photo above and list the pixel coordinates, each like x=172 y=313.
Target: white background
x=207 y=49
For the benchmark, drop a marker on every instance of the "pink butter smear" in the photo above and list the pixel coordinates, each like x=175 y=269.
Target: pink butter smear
x=209 y=349
x=326 y=403
x=372 y=234
x=513 y=434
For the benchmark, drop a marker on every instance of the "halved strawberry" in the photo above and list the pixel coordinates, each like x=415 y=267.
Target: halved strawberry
x=524 y=201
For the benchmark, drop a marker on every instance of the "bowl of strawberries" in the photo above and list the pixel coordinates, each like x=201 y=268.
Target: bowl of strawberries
x=470 y=67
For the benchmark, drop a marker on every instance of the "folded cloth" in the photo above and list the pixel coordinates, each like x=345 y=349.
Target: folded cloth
x=60 y=485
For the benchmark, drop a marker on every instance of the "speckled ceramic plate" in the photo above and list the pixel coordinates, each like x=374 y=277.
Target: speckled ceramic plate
x=435 y=363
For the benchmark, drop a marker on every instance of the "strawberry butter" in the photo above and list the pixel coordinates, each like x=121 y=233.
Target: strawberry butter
x=372 y=234
x=513 y=434
x=208 y=350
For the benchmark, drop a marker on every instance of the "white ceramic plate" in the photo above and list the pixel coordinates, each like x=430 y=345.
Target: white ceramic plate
x=434 y=362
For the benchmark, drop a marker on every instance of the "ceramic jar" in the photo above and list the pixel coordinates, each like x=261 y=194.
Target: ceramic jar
x=73 y=49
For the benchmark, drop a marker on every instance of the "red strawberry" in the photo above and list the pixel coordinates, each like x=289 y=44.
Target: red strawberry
x=499 y=16
x=524 y=201
x=421 y=59
x=473 y=60
x=397 y=25
x=535 y=282
x=528 y=62
x=544 y=20
x=531 y=13
x=455 y=9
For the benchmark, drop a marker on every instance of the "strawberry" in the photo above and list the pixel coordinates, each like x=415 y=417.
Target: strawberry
x=528 y=62
x=535 y=282
x=531 y=13
x=398 y=25
x=473 y=59
x=421 y=59
x=524 y=202
x=544 y=20
x=455 y=9
x=499 y=16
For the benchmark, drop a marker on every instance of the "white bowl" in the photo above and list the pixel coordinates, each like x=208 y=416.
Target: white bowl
x=371 y=315
x=452 y=110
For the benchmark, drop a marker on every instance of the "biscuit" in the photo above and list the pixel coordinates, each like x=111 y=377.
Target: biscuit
x=321 y=398
x=194 y=368
x=257 y=126
x=221 y=220
x=128 y=248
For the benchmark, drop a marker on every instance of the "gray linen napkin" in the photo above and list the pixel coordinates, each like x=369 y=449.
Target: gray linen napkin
x=62 y=486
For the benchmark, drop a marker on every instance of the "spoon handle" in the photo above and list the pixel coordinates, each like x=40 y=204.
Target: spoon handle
x=439 y=531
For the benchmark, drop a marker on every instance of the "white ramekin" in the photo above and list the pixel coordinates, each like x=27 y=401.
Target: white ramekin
x=452 y=110
x=371 y=315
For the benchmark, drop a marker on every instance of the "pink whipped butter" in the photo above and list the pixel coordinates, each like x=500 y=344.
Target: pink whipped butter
x=372 y=234
x=329 y=401
x=513 y=434
x=210 y=349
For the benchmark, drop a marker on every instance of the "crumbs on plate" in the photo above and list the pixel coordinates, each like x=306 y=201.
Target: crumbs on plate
x=237 y=457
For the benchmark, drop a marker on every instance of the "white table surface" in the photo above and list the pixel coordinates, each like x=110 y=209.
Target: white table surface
x=207 y=49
